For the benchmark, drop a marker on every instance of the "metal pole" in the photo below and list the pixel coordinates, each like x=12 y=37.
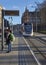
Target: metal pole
x=2 y=29
x=12 y=27
x=36 y=20
x=12 y=24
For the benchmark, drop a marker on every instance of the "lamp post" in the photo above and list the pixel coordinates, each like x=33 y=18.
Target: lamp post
x=2 y=19
x=36 y=20
x=2 y=30
x=11 y=24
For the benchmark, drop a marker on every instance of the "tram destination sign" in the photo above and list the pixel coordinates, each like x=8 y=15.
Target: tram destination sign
x=11 y=12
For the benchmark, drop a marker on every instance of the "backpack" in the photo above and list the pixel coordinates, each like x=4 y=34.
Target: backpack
x=11 y=37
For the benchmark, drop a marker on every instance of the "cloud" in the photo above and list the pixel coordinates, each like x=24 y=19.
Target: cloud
x=15 y=7
x=4 y=8
x=30 y=5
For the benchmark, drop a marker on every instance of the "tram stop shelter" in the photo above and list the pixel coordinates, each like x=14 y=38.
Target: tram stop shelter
x=2 y=14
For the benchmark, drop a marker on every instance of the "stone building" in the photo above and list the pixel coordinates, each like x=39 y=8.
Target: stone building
x=42 y=10
x=0 y=18
x=6 y=23
x=32 y=17
x=25 y=17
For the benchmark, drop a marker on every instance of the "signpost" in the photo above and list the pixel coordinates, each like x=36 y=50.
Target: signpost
x=7 y=13
x=2 y=29
x=11 y=12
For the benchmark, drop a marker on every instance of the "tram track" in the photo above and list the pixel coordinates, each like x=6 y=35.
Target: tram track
x=37 y=61
x=38 y=49
x=41 y=40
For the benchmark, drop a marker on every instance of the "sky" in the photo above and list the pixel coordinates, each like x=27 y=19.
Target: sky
x=18 y=5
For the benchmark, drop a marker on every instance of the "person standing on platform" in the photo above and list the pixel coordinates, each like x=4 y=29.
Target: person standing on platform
x=9 y=40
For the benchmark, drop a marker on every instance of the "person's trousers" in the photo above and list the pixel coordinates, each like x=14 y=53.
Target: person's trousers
x=9 y=47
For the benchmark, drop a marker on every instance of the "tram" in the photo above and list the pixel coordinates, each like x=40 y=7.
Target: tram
x=28 y=29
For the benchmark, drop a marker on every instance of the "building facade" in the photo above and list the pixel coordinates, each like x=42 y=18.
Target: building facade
x=32 y=17
x=1 y=17
x=42 y=10
x=25 y=17
x=6 y=24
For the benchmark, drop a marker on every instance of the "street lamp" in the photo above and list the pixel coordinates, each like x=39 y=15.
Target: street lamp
x=11 y=24
x=2 y=19
x=36 y=20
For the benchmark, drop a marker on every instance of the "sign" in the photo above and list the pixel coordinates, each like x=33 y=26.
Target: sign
x=11 y=12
